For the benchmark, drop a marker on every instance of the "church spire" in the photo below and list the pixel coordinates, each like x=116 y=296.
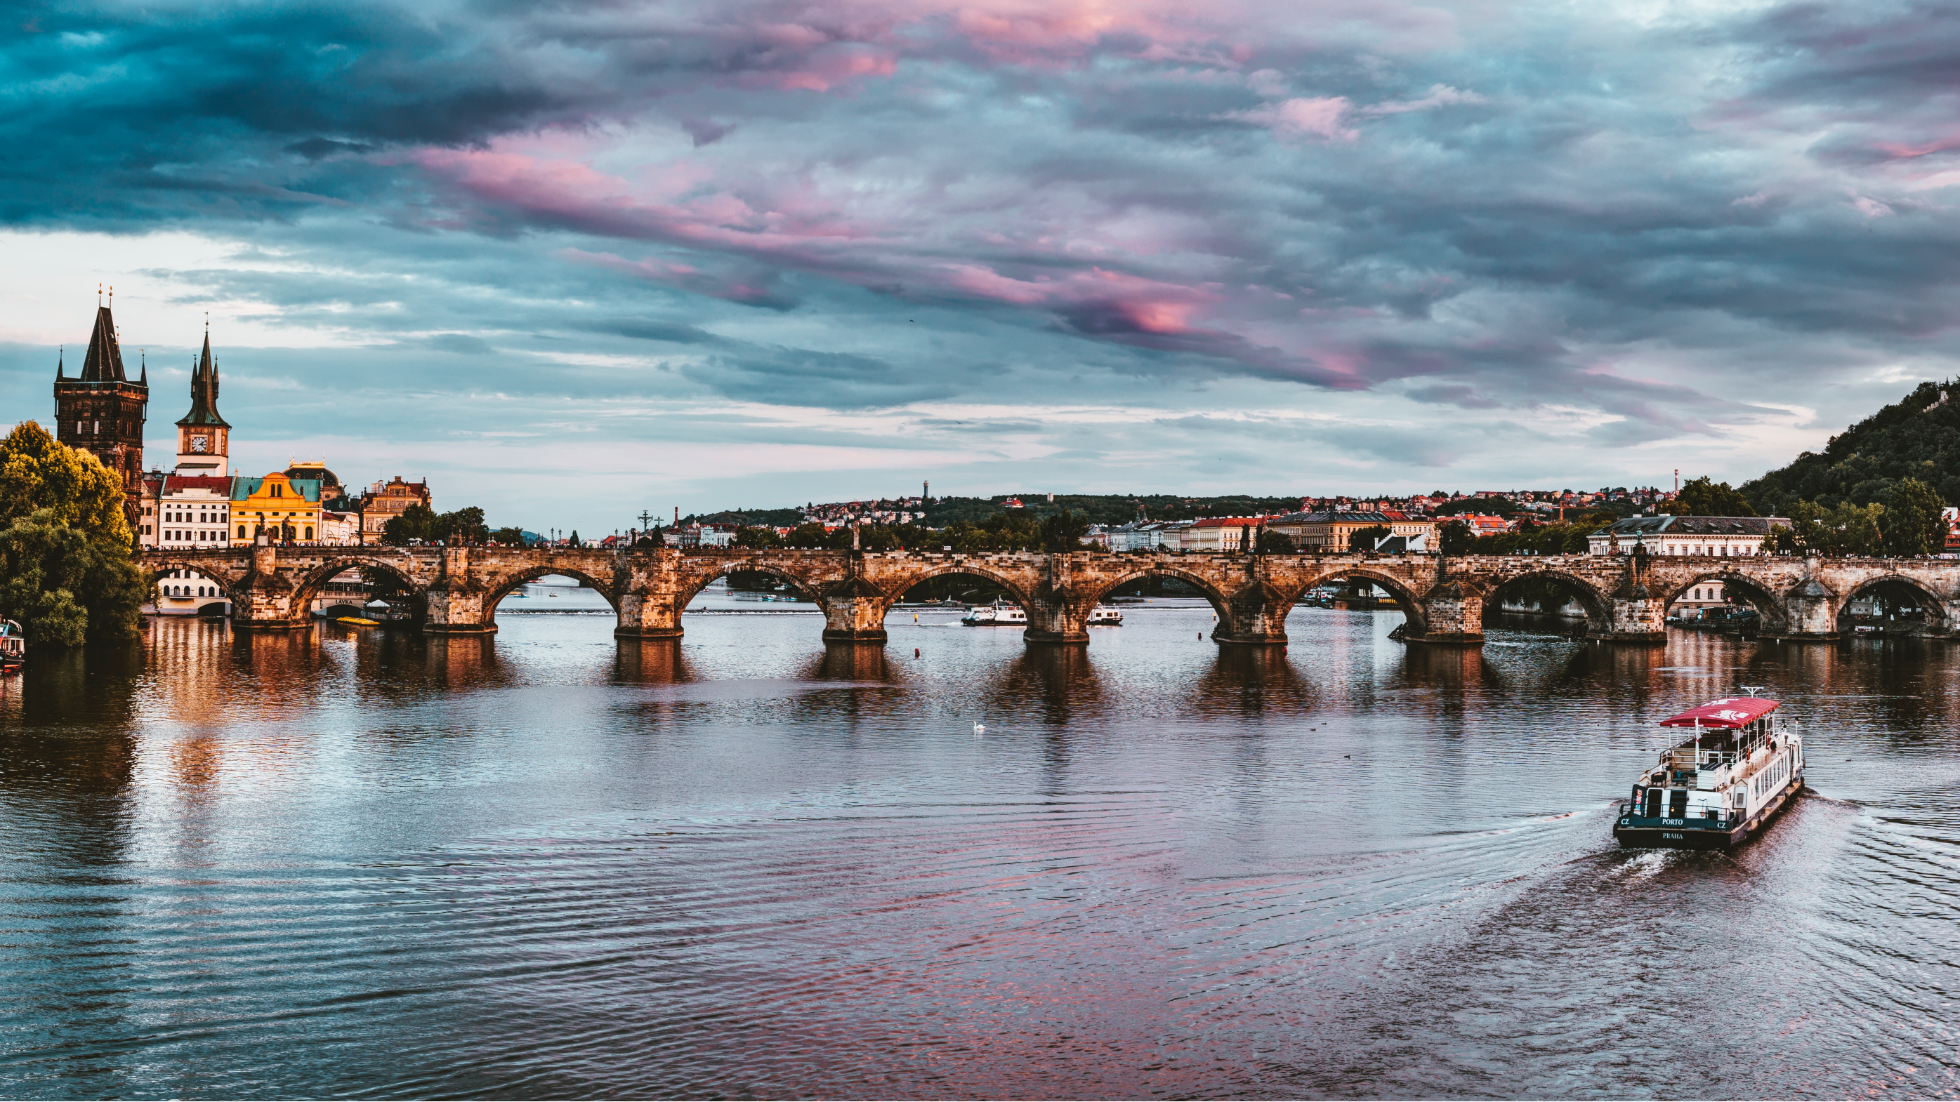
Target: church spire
x=61 y=364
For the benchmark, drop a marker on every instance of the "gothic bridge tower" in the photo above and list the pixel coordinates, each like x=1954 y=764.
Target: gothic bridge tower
x=102 y=411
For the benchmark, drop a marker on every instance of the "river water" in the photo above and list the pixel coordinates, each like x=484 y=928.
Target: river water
x=361 y=862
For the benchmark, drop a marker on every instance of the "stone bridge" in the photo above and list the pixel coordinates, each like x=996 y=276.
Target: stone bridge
x=456 y=589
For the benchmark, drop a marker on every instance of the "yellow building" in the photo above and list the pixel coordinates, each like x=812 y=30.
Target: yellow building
x=286 y=510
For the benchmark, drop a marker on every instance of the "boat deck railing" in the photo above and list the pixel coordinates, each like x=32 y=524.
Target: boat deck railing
x=1690 y=758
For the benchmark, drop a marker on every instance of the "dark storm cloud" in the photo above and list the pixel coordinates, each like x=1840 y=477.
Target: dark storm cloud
x=1476 y=209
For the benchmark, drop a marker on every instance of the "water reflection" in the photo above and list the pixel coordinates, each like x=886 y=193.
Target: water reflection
x=549 y=862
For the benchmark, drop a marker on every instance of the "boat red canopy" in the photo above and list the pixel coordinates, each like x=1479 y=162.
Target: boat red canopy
x=1725 y=714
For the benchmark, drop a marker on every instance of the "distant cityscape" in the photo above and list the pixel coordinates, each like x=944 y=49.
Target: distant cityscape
x=203 y=503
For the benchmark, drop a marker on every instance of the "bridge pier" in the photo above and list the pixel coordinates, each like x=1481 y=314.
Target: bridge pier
x=648 y=616
x=1809 y=612
x=264 y=600
x=1450 y=615
x=1636 y=617
x=854 y=611
x=1253 y=616
x=454 y=603
x=1057 y=618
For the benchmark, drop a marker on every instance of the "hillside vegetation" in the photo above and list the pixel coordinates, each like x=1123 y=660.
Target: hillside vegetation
x=1918 y=438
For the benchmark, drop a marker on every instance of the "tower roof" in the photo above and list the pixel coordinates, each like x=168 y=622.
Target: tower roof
x=204 y=392
x=104 y=361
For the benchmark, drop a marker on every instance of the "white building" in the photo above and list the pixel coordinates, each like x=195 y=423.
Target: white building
x=1667 y=535
x=185 y=592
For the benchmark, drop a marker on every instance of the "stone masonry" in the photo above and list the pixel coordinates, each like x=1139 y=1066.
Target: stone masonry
x=1445 y=599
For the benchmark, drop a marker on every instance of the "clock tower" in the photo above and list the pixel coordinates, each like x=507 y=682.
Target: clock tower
x=202 y=444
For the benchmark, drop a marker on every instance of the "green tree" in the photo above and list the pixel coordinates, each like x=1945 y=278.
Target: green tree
x=809 y=534
x=417 y=522
x=757 y=537
x=509 y=537
x=1457 y=538
x=1849 y=529
x=1913 y=524
x=878 y=537
x=1274 y=543
x=65 y=587
x=1703 y=497
x=1363 y=539
x=39 y=472
x=463 y=527
x=1064 y=531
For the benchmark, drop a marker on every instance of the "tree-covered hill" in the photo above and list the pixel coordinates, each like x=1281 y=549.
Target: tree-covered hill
x=1916 y=438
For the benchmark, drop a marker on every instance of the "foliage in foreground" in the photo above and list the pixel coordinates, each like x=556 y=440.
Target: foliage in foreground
x=65 y=568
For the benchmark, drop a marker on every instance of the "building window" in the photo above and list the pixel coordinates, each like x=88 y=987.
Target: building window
x=241 y=531
x=309 y=531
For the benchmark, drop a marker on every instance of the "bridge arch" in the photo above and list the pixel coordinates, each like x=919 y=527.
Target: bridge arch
x=907 y=582
x=1930 y=604
x=1771 y=605
x=699 y=580
x=1220 y=602
x=161 y=569
x=1598 y=606
x=505 y=584
x=308 y=586
x=1406 y=599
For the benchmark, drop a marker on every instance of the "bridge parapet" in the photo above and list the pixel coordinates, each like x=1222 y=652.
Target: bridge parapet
x=1445 y=599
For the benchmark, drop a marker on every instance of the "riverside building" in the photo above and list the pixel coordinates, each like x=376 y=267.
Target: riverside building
x=1670 y=535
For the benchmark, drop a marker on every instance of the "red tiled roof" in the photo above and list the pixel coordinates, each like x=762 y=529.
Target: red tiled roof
x=1229 y=522
x=197 y=482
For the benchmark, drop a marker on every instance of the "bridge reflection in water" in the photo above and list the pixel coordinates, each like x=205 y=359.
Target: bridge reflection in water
x=455 y=591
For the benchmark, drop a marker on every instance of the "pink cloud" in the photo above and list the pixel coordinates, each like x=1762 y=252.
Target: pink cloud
x=1303 y=118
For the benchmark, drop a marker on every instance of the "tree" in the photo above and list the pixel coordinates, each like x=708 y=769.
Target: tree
x=757 y=537
x=417 y=522
x=1363 y=539
x=1848 y=529
x=1274 y=543
x=464 y=527
x=65 y=587
x=1702 y=497
x=1457 y=538
x=509 y=537
x=1064 y=531
x=809 y=534
x=1913 y=522
x=39 y=472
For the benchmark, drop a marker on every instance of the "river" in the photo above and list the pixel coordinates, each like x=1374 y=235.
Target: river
x=362 y=862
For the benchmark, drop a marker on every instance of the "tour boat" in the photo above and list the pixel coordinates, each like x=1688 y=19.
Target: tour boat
x=1103 y=614
x=1722 y=785
x=13 y=647
x=998 y=614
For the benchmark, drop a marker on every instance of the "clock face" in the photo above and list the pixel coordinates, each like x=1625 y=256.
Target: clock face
x=199 y=443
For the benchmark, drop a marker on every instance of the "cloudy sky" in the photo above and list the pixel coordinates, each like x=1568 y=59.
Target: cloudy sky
x=571 y=261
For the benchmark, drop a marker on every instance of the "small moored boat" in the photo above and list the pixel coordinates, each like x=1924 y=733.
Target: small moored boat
x=13 y=647
x=1103 y=614
x=1719 y=787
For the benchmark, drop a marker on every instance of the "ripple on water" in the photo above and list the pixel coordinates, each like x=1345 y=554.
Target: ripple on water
x=548 y=864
